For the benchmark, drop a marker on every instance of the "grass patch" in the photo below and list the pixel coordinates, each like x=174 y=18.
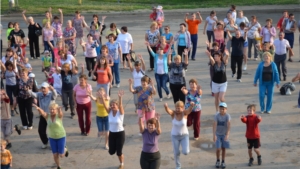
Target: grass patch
x=69 y=6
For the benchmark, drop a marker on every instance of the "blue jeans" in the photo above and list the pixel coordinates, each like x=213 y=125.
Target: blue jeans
x=178 y=140
x=47 y=47
x=194 y=39
x=161 y=81
x=105 y=87
x=102 y=123
x=5 y=166
x=98 y=50
x=263 y=87
x=250 y=43
x=116 y=74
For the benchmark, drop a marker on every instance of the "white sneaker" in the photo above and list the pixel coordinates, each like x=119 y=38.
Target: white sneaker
x=30 y=128
x=25 y=127
x=32 y=58
x=118 y=85
x=168 y=96
x=262 y=112
x=268 y=112
x=256 y=59
x=106 y=147
x=239 y=80
x=232 y=75
x=160 y=99
x=44 y=146
x=245 y=67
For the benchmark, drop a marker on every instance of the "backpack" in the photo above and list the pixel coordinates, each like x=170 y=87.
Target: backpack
x=287 y=88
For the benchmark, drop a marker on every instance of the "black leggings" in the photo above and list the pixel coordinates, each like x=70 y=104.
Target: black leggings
x=67 y=98
x=25 y=107
x=42 y=130
x=176 y=92
x=34 y=41
x=124 y=57
x=116 y=141
x=150 y=160
x=151 y=57
x=90 y=63
x=180 y=50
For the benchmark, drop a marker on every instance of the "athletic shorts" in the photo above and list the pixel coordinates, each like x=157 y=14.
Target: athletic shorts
x=221 y=142
x=218 y=87
x=253 y=143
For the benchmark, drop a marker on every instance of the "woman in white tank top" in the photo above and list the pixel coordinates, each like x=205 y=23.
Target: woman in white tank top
x=138 y=71
x=179 y=132
x=116 y=130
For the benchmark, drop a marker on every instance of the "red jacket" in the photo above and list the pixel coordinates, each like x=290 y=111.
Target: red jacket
x=279 y=24
x=252 y=131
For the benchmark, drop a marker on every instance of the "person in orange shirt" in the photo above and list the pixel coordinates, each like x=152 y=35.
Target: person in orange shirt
x=6 y=158
x=193 y=29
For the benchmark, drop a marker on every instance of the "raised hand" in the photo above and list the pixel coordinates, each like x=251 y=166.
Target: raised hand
x=103 y=17
x=242 y=116
x=140 y=56
x=207 y=53
x=50 y=9
x=192 y=104
x=157 y=116
x=24 y=12
x=166 y=105
x=198 y=87
x=121 y=93
x=130 y=81
x=60 y=10
x=186 y=51
x=147 y=44
x=187 y=14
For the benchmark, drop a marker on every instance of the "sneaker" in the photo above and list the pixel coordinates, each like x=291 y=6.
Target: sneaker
x=262 y=112
x=196 y=138
x=193 y=59
x=32 y=58
x=250 y=162
x=16 y=111
x=121 y=166
x=17 y=128
x=66 y=108
x=217 y=164
x=256 y=59
x=290 y=60
x=168 y=96
x=160 y=99
x=118 y=85
x=239 y=80
x=72 y=115
x=245 y=67
x=259 y=160
x=24 y=127
x=268 y=112
x=12 y=112
x=44 y=146
x=58 y=168
x=223 y=165
x=232 y=75
x=284 y=78
x=8 y=146
x=90 y=73
x=106 y=147
x=66 y=152
x=30 y=128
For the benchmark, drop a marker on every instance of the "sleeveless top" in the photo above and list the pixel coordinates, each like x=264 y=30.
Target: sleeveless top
x=56 y=129
x=115 y=122
x=179 y=127
x=101 y=111
x=137 y=76
x=219 y=73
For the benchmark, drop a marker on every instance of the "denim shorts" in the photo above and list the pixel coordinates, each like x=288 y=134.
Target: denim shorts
x=221 y=143
x=246 y=44
x=102 y=123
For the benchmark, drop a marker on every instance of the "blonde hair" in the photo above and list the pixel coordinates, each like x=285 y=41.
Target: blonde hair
x=3 y=142
x=153 y=24
x=269 y=55
x=53 y=106
x=177 y=57
x=30 y=18
x=179 y=104
x=114 y=101
x=66 y=65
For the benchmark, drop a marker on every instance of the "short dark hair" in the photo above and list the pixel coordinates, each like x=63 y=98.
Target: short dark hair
x=112 y=35
x=291 y=14
x=242 y=24
x=151 y=121
x=9 y=50
x=253 y=17
x=212 y=12
x=124 y=28
x=55 y=17
x=233 y=7
x=193 y=81
x=83 y=76
x=215 y=44
x=112 y=25
x=285 y=11
x=10 y=23
x=77 y=12
x=9 y=63
x=252 y=107
x=183 y=24
x=95 y=16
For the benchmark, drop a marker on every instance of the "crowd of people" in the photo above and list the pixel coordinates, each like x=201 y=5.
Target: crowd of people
x=230 y=39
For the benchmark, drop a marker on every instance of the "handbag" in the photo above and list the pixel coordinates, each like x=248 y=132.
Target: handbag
x=132 y=56
x=38 y=32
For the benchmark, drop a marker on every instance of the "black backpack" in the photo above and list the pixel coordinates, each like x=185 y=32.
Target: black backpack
x=284 y=88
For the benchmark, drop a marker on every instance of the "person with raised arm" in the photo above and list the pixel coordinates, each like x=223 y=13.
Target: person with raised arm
x=57 y=25
x=138 y=72
x=116 y=129
x=56 y=130
x=193 y=29
x=179 y=132
x=219 y=80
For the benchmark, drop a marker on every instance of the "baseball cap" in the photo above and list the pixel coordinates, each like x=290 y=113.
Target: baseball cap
x=223 y=104
x=31 y=75
x=44 y=84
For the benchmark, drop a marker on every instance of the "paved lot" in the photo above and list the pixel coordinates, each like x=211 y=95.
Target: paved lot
x=280 y=131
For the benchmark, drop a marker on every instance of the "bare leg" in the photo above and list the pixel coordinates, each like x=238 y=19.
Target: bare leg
x=56 y=159
x=218 y=153
x=222 y=96
x=106 y=138
x=223 y=154
x=217 y=101
x=257 y=152
x=121 y=159
x=245 y=50
x=250 y=153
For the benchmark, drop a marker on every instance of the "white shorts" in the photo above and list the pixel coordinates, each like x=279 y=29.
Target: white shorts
x=219 y=87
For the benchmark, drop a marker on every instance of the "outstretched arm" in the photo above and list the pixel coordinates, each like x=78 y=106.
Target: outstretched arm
x=24 y=17
x=189 y=110
x=168 y=110
x=121 y=94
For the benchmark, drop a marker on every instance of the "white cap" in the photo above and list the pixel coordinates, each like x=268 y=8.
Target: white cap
x=44 y=84
x=159 y=7
x=31 y=75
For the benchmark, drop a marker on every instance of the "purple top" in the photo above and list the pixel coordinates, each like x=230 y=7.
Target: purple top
x=150 y=141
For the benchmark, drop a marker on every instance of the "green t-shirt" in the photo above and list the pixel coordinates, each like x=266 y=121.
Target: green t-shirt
x=47 y=60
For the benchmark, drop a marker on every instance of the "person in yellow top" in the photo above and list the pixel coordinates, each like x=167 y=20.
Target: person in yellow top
x=102 y=114
x=112 y=30
x=48 y=16
x=6 y=157
x=56 y=131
